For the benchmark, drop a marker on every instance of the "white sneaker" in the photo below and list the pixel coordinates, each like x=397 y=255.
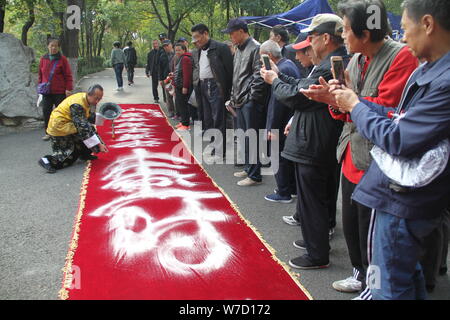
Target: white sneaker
x=213 y=159
x=240 y=174
x=248 y=182
x=347 y=285
x=291 y=220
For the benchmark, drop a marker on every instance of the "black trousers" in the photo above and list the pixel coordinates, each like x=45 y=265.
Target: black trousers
x=80 y=150
x=333 y=190
x=315 y=190
x=181 y=105
x=355 y=222
x=130 y=73
x=193 y=112
x=213 y=109
x=251 y=116
x=155 y=82
x=285 y=176
x=50 y=101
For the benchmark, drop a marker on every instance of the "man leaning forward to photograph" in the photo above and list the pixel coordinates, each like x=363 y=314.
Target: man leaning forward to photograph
x=311 y=143
x=405 y=215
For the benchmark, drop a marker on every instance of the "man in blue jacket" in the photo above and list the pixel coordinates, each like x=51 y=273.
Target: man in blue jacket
x=404 y=216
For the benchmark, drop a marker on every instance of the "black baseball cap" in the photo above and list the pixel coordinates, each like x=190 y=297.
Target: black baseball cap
x=166 y=42
x=302 y=42
x=235 y=24
x=300 y=38
x=162 y=36
x=182 y=39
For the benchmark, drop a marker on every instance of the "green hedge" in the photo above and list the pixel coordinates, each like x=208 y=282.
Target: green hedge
x=86 y=67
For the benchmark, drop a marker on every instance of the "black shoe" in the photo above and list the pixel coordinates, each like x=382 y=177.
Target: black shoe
x=89 y=157
x=46 y=166
x=300 y=244
x=266 y=165
x=330 y=233
x=305 y=262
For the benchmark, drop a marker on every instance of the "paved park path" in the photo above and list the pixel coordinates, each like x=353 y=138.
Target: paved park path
x=37 y=212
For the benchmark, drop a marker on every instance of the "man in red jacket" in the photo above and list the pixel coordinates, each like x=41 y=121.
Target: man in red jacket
x=183 y=84
x=61 y=85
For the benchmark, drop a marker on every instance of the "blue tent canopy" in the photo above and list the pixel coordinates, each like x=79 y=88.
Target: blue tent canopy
x=300 y=17
x=396 y=24
x=295 y=19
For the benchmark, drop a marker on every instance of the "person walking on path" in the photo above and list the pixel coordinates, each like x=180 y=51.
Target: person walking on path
x=130 y=61
x=118 y=62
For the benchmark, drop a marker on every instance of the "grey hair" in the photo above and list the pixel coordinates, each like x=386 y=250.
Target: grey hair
x=438 y=9
x=92 y=88
x=271 y=47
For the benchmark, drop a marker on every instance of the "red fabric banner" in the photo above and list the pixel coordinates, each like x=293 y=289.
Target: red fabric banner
x=153 y=225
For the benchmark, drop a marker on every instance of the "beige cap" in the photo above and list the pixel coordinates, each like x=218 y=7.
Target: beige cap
x=326 y=23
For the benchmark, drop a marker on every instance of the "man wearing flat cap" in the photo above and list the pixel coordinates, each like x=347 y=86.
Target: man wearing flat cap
x=248 y=94
x=311 y=143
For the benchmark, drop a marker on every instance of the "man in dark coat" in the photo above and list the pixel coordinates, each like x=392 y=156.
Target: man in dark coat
x=311 y=143
x=215 y=71
x=130 y=61
x=151 y=69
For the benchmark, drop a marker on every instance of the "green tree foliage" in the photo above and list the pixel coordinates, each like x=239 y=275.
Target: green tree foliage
x=393 y=6
x=106 y=21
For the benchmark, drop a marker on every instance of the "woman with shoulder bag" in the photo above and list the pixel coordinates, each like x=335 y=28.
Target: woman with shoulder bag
x=55 y=80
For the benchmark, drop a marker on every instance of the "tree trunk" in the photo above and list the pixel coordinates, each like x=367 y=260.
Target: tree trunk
x=29 y=23
x=2 y=15
x=70 y=43
x=228 y=9
x=100 y=38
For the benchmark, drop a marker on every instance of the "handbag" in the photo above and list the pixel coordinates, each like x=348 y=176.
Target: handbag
x=44 y=87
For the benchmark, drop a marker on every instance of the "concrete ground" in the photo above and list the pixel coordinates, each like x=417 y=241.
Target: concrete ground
x=37 y=212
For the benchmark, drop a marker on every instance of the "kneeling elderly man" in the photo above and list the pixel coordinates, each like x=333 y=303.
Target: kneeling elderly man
x=71 y=131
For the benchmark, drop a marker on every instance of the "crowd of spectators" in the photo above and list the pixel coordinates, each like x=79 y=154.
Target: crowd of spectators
x=395 y=96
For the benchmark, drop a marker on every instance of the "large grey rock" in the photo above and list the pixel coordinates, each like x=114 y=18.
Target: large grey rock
x=17 y=89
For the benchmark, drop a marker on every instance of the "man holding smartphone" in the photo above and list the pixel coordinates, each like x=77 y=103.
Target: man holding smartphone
x=311 y=143
x=378 y=72
x=278 y=116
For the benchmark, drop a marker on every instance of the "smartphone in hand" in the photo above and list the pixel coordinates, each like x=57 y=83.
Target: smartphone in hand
x=337 y=68
x=266 y=61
